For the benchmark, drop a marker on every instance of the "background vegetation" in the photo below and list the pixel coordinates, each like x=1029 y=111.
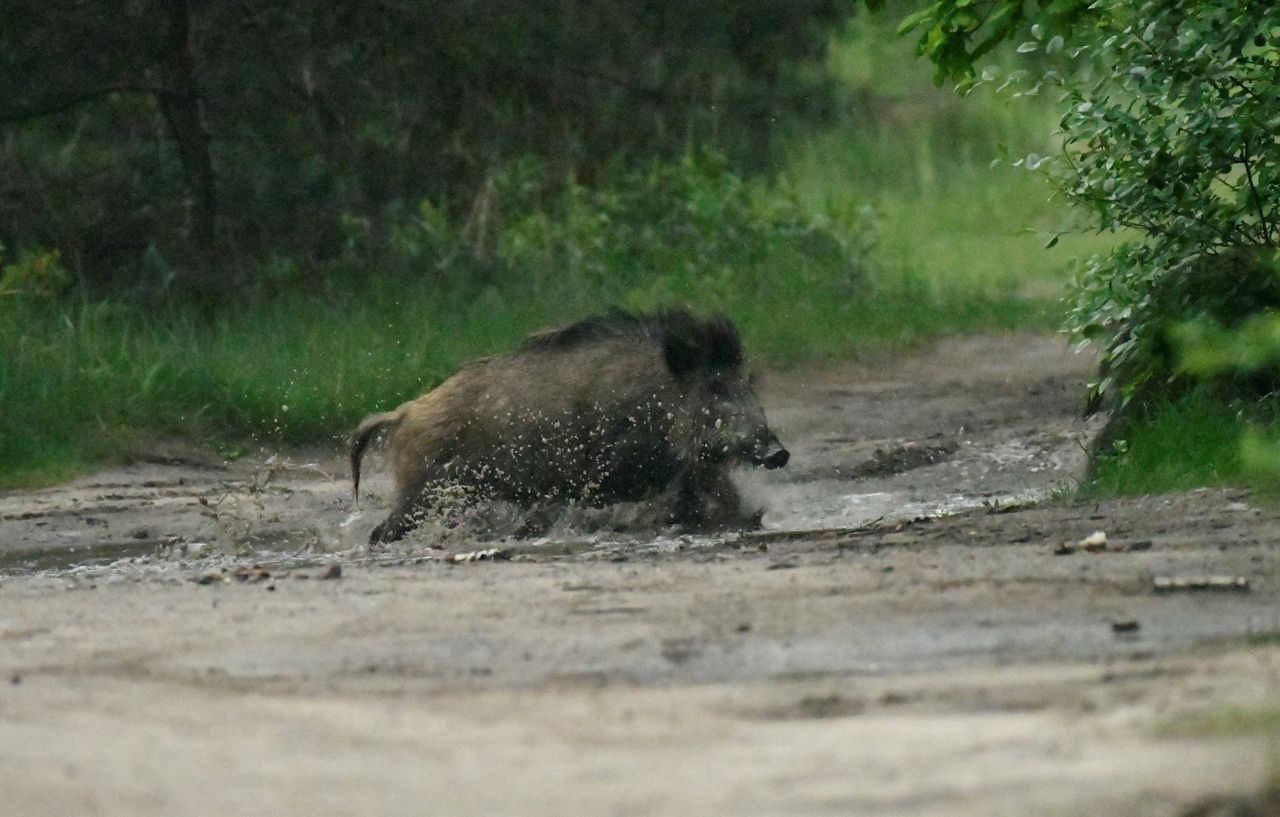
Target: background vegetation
x=847 y=205
x=376 y=192
x=178 y=143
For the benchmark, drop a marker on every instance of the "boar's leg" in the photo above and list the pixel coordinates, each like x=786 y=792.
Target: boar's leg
x=707 y=499
x=392 y=528
x=408 y=512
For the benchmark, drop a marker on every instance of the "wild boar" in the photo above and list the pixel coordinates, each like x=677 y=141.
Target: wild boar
x=618 y=407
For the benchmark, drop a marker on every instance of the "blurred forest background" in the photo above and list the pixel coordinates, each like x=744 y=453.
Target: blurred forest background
x=256 y=222
x=205 y=146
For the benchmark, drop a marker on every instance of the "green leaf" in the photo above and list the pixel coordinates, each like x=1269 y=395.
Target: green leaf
x=914 y=21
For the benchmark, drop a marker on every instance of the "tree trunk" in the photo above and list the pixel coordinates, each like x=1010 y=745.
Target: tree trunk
x=180 y=105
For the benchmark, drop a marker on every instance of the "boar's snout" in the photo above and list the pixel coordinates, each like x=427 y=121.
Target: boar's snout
x=777 y=456
x=770 y=453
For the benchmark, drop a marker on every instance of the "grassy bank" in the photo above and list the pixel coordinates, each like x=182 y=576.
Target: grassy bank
x=1189 y=443
x=890 y=227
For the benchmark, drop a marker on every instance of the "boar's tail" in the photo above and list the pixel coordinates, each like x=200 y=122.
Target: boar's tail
x=360 y=439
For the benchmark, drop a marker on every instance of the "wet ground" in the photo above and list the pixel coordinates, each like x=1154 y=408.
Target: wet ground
x=927 y=625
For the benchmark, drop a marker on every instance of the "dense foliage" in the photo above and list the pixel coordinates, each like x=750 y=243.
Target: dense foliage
x=1174 y=138
x=185 y=141
x=955 y=34
x=1170 y=136
x=1171 y=140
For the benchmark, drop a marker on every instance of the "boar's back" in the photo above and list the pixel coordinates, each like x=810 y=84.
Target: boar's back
x=689 y=343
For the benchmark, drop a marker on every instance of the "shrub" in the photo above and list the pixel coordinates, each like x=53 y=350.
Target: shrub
x=1170 y=135
x=641 y=234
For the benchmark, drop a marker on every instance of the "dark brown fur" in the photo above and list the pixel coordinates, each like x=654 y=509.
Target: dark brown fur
x=617 y=407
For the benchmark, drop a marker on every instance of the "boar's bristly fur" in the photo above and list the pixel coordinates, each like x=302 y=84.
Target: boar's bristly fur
x=617 y=407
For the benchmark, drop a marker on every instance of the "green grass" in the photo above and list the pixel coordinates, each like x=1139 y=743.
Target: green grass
x=92 y=382
x=1191 y=442
x=952 y=215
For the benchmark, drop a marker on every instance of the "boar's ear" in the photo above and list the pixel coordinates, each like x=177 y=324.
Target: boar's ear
x=691 y=343
x=682 y=352
x=723 y=345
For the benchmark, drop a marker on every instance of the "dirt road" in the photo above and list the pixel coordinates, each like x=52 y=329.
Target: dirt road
x=913 y=634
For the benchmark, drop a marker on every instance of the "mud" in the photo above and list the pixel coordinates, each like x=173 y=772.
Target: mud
x=915 y=632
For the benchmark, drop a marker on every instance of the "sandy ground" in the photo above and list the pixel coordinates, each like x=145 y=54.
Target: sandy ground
x=908 y=636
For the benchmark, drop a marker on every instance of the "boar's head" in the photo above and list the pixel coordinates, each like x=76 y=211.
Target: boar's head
x=705 y=356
